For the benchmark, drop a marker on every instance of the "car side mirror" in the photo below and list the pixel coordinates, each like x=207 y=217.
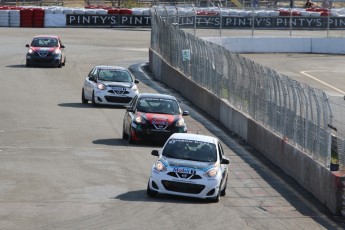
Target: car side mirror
x=62 y=46
x=27 y=45
x=185 y=113
x=155 y=153
x=225 y=161
x=129 y=109
x=136 y=81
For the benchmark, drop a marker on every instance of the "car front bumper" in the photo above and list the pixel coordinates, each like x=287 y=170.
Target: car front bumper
x=200 y=188
x=105 y=98
x=43 y=61
x=149 y=134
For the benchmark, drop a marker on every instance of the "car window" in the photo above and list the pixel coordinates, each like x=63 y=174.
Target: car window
x=158 y=105
x=221 y=152
x=44 y=42
x=133 y=102
x=93 y=74
x=190 y=150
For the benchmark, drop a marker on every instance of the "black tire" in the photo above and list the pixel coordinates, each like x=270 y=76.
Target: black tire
x=60 y=64
x=64 y=62
x=216 y=198
x=150 y=192
x=223 y=191
x=83 y=99
x=93 y=99
x=130 y=140
x=124 y=134
x=27 y=64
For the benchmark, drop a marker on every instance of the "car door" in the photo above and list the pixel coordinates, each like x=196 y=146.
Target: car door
x=90 y=83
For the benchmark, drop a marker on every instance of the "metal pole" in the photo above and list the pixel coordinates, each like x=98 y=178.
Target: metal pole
x=221 y=22
x=194 y=21
x=253 y=20
x=290 y=22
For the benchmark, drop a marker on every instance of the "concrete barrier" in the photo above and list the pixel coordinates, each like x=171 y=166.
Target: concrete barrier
x=281 y=45
x=326 y=186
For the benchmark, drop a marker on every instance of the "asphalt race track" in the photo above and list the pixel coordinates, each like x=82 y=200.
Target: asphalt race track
x=64 y=165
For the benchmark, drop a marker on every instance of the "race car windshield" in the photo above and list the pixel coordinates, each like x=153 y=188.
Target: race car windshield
x=114 y=75
x=158 y=105
x=190 y=150
x=44 y=42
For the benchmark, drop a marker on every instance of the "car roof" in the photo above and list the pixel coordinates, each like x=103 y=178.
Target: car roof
x=156 y=95
x=46 y=36
x=111 y=67
x=194 y=137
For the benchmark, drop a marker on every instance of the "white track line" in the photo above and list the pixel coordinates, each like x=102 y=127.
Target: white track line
x=326 y=84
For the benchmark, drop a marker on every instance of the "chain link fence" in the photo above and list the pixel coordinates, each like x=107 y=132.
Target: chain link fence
x=297 y=112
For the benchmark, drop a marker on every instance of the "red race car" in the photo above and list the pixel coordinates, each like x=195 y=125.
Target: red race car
x=46 y=50
x=153 y=117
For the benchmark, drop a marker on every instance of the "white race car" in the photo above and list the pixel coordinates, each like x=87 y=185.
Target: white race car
x=190 y=165
x=109 y=85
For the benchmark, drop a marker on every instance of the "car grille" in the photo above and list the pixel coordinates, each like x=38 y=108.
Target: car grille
x=118 y=92
x=43 y=54
x=161 y=127
x=184 y=175
x=182 y=187
x=114 y=99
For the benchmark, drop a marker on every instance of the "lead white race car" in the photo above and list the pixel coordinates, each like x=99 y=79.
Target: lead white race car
x=190 y=165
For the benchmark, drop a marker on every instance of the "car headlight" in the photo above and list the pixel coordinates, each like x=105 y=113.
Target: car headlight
x=101 y=86
x=134 y=89
x=140 y=120
x=30 y=51
x=57 y=51
x=159 y=166
x=211 y=172
x=180 y=122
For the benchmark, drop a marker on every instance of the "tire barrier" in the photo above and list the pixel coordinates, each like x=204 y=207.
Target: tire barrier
x=4 y=18
x=56 y=16
x=14 y=18
x=26 y=17
x=38 y=17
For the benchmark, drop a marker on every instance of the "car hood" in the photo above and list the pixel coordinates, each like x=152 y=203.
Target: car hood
x=117 y=84
x=188 y=164
x=160 y=119
x=44 y=49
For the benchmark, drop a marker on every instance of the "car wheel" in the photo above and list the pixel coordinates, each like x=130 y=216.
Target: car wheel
x=130 y=139
x=93 y=99
x=60 y=64
x=150 y=192
x=216 y=198
x=223 y=191
x=124 y=134
x=27 y=64
x=83 y=99
x=64 y=62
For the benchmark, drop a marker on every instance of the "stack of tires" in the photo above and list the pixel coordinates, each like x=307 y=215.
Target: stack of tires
x=37 y=17
x=26 y=17
x=15 y=18
x=4 y=18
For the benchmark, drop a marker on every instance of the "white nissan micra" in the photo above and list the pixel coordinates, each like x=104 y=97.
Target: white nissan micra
x=190 y=165
x=109 y=85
